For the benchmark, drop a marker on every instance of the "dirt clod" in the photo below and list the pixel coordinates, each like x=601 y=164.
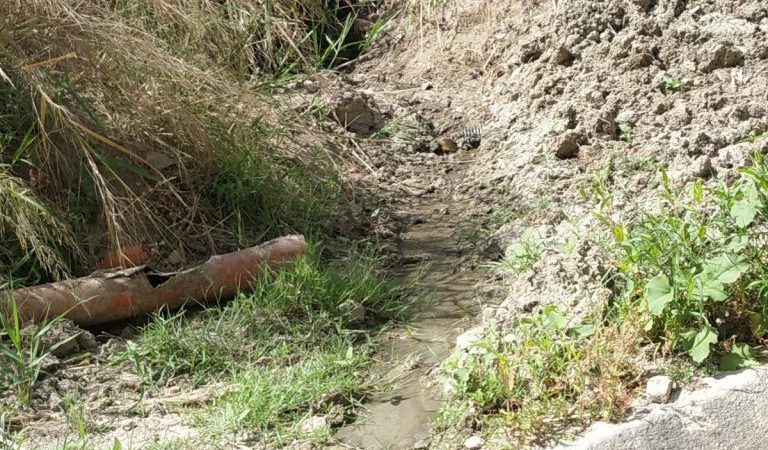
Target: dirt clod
x=567 y=146
x=358 y=114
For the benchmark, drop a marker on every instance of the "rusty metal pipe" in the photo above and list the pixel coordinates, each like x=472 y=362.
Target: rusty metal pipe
x=116 y=295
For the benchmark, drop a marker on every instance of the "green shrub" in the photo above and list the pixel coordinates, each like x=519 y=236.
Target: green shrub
x=545 y=377
x=694 y=266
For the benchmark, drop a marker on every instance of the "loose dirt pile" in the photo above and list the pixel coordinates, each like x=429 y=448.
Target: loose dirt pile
x=566 y=94
x=564 y=91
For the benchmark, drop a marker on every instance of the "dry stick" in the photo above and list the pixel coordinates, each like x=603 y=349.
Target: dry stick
x=376 y=175
x=117 y=295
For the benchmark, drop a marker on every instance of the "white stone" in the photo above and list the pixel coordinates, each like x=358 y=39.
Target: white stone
x=658 y=388
x=465 y=340
x=474 y=443
x=313 y=424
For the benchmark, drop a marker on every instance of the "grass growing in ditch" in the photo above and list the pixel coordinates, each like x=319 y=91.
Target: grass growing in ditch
x=90 y=92
x=22 y=352
x=295 y=347
x=689 y=281
x=543 y=378
x=111 y=87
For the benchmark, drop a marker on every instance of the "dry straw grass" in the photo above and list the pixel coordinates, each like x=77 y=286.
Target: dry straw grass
x=104 y=87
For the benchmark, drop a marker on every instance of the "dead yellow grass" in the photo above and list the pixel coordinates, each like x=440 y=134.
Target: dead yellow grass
x=107 y=86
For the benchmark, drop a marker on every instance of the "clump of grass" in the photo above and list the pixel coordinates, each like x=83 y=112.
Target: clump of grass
x=523 y=254
x=34 y=239
x=544 y=378
x=243 y=194
x=672 y=83
x=275 y=38
x=22 y=354
x=271 y=401
x=626 y=132
x=89 y=106
x=288 y=349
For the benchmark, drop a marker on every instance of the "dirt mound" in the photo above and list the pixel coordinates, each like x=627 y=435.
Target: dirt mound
x=569 y=96
x=564 y=91
x=633 y=84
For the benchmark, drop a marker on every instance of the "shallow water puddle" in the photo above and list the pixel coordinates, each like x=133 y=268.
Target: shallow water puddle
x=402 y=417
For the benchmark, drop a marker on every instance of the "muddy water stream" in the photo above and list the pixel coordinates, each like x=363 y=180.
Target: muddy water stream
x=432 y=248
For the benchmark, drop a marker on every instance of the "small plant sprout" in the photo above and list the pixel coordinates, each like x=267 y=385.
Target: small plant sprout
x=626 y=132
x=672 y=83
x=524 y=253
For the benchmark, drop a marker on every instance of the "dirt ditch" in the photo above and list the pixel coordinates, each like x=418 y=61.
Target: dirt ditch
x=433 y=250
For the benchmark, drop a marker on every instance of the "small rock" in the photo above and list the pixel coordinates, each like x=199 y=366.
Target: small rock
x=474 y=443
x=313 y=424
x=175 y=258
x=719 y=56
x=702 y=167
x=567 y=147
x=356 y=312
x=563 y=56
x=659 y=388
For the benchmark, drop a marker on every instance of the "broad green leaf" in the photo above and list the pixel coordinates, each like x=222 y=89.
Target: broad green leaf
x=699 y=342
x=727 y=268
x=744 y=213
x=707 y=286
x=659 y=293
x=758 y=323
x=697 y=190
x=553 y=319
x=585 y=330
x=737 y=244
x=618 y=233
x=739 y=357
x=648 y=326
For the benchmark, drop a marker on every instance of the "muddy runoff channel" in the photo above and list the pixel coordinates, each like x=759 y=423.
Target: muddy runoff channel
x=432 y=248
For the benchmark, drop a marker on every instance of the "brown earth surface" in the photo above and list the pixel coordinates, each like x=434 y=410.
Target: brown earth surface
x=538 y=98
